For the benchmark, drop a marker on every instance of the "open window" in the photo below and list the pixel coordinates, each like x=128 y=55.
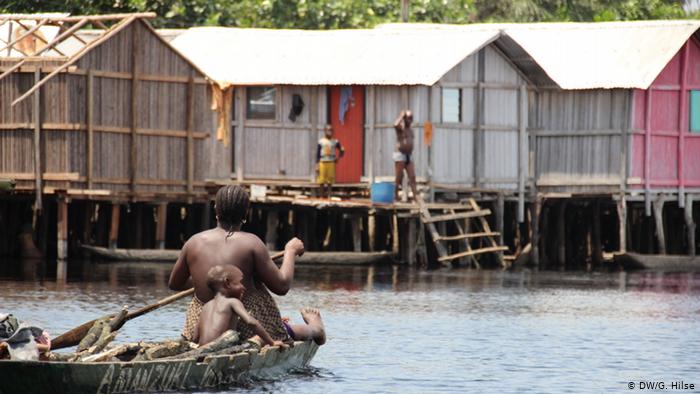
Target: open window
x=451 y=105
x=261 y=103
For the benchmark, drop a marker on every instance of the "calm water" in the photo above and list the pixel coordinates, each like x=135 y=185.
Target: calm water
x=398 y=330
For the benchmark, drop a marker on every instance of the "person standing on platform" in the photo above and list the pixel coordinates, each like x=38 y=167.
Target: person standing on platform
x=404 y=150
x=328 y=153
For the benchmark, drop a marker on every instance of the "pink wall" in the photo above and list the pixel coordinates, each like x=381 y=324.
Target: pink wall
x=674 y=152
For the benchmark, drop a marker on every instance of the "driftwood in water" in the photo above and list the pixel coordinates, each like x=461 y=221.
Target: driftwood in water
x=164 y=349
x=114 y=352
x=225 y=340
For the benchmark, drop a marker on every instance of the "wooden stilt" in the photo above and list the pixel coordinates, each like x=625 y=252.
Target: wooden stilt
x=597 y=247
x=271 y=230
x=544 y=235
x=206 y=216
x=114 y=226
x=395 y=233
x=690 y=224
x=500 y=209
x=412 y=235
x=161 y=218
x=622 y=222
x=658 y=208
x=371 y=229
x=536 y=208
x=62 y=229
x=422 y=248
x=356 y=223
x=137 y=214
x=88 y=211
x=561 y=234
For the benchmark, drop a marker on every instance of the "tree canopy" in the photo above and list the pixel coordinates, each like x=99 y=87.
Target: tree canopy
x=335 y=14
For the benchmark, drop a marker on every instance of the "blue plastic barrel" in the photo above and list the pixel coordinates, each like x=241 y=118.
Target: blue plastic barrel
x=382 y=192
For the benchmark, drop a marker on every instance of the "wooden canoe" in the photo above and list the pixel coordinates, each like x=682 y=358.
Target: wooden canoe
x=170 y=255
x=634 y=261
x=152 y=376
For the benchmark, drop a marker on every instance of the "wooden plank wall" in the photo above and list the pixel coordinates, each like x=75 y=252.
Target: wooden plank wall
x=490 y=161
x=579 y=139
x=161 y=122
x=280 y=148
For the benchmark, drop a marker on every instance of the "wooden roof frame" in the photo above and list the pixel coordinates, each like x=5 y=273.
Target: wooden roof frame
x=72 y=25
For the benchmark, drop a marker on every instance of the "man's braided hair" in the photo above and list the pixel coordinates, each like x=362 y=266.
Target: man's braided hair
x=231 y=207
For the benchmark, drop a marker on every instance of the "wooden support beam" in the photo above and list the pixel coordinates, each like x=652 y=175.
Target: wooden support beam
x=412 y=242
x=596 y=235
x=114 y=226
x=486 y=228
x=26 y=34
x=561 y=234
x=473 y=252
x=36 y=114
x=622 y=222
x=395 y=243
x=240 y=134
x=658 y=208
x=89 y=114
x=133 y=162
x=271 y=229
x=454 y=216
x=190 y=130
x=161 y=222
x=467 y=236
x=88 y=18
x=689 y=224
x=371 y=120
x=522 y=151
x=500 y=211
x=371 y=230
x=356 y=224
x=536 y=208
x=62 y=228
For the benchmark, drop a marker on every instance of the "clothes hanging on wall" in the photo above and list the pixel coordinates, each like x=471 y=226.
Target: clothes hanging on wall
x=221 y=102
x=297 y=107
x=344 y=103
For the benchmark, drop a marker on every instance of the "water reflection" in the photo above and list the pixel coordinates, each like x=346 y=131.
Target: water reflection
x=359 y=278
x=395 y=329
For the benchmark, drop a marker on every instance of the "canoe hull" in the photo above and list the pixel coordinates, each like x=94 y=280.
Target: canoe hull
x=151 y=376
x=170 y=255
x=633 y=261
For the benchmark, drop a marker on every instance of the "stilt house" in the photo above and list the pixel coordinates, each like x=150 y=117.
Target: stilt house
x=118 y=114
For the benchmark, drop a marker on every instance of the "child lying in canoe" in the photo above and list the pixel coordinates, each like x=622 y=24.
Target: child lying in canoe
x=226 y=311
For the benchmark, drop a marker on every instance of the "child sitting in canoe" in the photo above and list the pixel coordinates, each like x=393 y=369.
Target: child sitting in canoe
x=226 y=311
x=223 y=311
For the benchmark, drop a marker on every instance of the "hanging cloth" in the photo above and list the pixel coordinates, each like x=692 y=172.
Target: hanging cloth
x=428 y=133
x=344 y=102
x=221 y=102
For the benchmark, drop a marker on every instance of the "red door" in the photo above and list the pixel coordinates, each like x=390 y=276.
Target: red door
x=349 y=130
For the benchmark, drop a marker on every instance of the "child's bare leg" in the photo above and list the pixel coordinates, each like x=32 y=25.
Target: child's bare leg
x=313 y=329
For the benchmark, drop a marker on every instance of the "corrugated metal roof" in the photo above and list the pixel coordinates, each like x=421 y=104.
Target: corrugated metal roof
x=602 y=55
x=336 y=57
x=598 y=55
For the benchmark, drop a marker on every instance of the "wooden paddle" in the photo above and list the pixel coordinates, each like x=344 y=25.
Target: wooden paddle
x=75 y=335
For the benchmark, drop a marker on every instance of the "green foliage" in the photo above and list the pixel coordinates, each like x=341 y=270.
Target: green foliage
x=336 y=14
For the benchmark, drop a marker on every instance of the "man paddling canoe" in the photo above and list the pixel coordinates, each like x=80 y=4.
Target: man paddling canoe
x=226 y=244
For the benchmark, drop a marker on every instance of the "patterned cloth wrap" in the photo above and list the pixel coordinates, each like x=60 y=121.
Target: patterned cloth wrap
x=259 y=304
x=192 y=319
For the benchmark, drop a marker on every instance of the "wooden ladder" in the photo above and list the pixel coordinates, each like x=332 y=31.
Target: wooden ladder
x=472 y=211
